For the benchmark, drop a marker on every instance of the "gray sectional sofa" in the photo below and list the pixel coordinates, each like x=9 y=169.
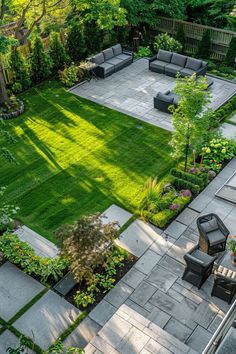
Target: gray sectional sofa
x=111 y=60
x=169 y=63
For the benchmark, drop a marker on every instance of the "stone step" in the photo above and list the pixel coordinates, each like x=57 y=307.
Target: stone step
x=129 y=332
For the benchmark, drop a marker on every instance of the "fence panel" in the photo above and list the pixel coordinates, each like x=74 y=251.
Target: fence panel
x=193 y=31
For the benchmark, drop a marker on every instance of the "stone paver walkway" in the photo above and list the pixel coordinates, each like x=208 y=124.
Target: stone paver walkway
x=8 y=339
x=228 y=130
x=152 y=310
x=41 y=245
x=115 y=213
x=132 y=89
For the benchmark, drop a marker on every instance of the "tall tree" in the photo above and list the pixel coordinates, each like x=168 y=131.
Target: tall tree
x=40 y=61
x=190 y=119
x=20 y=68
x=57 y=51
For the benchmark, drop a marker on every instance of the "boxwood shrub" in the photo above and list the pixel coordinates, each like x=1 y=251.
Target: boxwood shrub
x=224 y=111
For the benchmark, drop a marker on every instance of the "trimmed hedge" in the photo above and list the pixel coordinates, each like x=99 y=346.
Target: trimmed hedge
x=180 y=183
x=226 y=109
x=196 y=180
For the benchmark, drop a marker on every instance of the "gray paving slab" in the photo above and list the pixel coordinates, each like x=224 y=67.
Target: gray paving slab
x=143 y=293
x=228 y=130
x=199 y=339
x=138 y=237
x=132 y=89
x=82 y=334
x=161 y=278
x=16 y=290
x=102 y=312
x=115 y=213
x=8 y=339
x=171 y=264
x=47 y=319
x=181 y=246
x=118 y=294
x=155 y=347
x=133 y=342
x=175 y=229
x=147 y=262
x=205 y=314
x=133 y=278
x=178 y=330
x=40 y=245
x=187 y=216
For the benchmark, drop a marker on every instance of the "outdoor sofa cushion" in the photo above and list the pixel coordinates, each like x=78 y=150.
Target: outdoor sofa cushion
x=165 y=97
x=107 y=68
x=126 y=58
x=108 y=53
x=158 y=65
x=172 y=69
x=117 y=49
x=164 y=55
x=187 y=72
x=179 y=59
x=98 y=59
x=115 y=61
x=193 y=64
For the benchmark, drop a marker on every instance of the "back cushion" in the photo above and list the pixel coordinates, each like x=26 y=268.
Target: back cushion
x=165 y=98
x=164 y=55
x=193 y=64
x=178 y=59
x=117 y=49
x=210 y=226
x=108 y=53
x=98 y=59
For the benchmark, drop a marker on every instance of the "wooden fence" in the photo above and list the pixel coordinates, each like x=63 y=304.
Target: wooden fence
x=193 y=31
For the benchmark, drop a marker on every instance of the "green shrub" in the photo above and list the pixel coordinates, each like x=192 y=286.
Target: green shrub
x=180 y=183
x=75 y=43
x=57 y=51
x=162 y=218
x=40 y=61
x=166 y=42
x=188 y=177
x=231 y=53
x=226 y=110
x=205 y=45
x=22 y=255
x=218 y=151
x=181 y=37
x=69 y=76
x=143 y=52
x=20 y=71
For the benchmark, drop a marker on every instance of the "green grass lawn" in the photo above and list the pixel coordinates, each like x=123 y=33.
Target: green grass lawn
x=77 y=157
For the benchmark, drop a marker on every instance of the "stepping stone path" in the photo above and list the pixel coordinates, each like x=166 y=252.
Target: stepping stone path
x=115 y=213
x=47 y=319
x=228 y=130
x=16 y=290
x=138 y=237
x=41 y=245
x=8 y=339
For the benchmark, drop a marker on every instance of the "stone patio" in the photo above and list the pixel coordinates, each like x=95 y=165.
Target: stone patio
x=152 y=310
x=115 y=213
x=8 y=339
x=132 y=89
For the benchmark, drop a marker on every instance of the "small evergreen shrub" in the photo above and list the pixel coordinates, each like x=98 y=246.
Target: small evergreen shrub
x=226 y=110
x=231 y=53
x=205 y=45
x=180 y=183
x=57 y=52
x=162 y=218
x=20 y=70
x=166 y=42
x=75 y=43
x=181 y=37
x=188 y=177
x=40 y=61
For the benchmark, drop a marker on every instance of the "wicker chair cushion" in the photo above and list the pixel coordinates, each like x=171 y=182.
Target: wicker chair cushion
x=210 y=225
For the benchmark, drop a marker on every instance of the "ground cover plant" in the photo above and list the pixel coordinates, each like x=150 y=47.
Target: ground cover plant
x=76 y=157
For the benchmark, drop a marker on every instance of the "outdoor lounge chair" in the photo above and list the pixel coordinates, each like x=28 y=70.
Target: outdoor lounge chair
x=213 y=233
x=199 y=266
x=225 y=284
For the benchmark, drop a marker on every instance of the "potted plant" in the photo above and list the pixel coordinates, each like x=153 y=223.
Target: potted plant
x=232 y=248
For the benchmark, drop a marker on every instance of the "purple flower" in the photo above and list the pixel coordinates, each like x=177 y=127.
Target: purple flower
x=185 y=193
x=193 y=170
x=174 y=206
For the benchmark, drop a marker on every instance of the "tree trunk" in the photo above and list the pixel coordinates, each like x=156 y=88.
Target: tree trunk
x=2 y=9
x=186 y=150
x=3 y=90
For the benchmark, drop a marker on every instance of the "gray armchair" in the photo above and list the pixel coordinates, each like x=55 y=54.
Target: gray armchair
x=163 y=101
x=213 y=233
x=199 y=266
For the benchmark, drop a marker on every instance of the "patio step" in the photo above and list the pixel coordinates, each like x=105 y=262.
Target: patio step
x=129 y=332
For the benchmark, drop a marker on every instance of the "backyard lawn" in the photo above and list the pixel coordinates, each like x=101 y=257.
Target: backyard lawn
x=77 y=157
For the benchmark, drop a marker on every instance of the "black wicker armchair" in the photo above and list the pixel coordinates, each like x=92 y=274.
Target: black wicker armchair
x=199 y=266
x=225 y=284
x=213 y=233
